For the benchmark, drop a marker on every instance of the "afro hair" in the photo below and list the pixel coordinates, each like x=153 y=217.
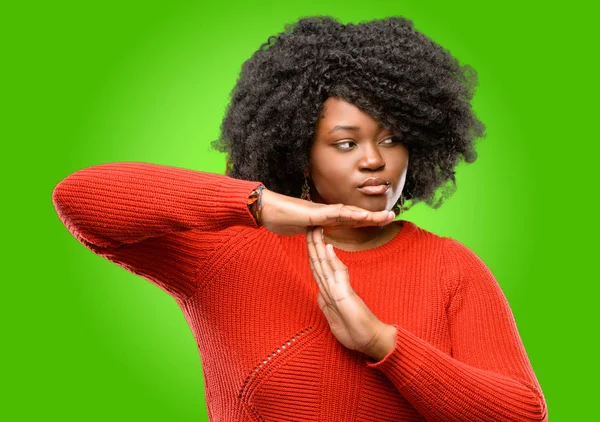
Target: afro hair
x=384 y=67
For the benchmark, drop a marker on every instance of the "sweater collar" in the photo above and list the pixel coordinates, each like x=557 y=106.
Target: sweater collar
x=297 y=245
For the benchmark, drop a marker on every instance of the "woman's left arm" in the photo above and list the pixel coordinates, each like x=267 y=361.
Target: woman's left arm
x=487 y=377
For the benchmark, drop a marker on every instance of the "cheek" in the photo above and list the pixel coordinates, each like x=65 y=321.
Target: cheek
x=331 y=180
x=399 y=162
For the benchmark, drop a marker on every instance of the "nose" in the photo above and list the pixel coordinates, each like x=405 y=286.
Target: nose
x=371 y=158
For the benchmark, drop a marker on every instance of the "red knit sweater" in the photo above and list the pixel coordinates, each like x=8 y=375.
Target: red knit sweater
x=250 y=299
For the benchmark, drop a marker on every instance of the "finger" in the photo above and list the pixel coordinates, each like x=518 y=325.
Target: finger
x=337 y=214
x=379 y=217
x=312 y=252
x=339 y=269
x=316 y=237
x=313 y=257
x=342 y=217
x=347 y=216
x=310 y=260
x=326 y=270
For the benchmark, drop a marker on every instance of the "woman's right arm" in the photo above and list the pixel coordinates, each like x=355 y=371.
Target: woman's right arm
x=156 y=221
x=111 y=205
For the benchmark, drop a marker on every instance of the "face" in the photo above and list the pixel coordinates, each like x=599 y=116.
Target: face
x=351 y=149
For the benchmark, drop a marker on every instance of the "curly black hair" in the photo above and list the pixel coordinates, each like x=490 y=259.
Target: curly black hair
x=385 y=67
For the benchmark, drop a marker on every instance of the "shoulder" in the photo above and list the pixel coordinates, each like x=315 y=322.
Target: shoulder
x=448 y=243
x=461 y=258
x=453 y=250
x=467 y=275
x=418 y=237
x=425 y=242
x=459 y=264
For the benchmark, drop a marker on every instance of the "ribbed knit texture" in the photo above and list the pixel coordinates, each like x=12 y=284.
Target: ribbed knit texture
x=250 y=300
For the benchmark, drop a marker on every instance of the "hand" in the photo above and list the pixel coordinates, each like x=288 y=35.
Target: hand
x=350 y=320
x=290 y=216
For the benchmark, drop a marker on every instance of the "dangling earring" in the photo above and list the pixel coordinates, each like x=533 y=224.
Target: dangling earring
x=399 y=207
x=305 y=190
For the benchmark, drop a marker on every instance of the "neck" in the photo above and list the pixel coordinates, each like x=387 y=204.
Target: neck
x=361 y=238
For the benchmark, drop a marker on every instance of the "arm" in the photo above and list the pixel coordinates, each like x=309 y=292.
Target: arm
x=115 y=204
x=148 y=218
x=488 y=376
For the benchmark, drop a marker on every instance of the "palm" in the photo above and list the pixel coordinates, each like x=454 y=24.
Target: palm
x=290 y=216
x=346 y=317
x=349 y=318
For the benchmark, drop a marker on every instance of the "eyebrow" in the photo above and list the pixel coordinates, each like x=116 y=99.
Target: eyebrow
x=355 y=128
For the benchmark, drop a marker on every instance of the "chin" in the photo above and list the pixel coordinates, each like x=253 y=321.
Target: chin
x=367 y=202
x=374 y=204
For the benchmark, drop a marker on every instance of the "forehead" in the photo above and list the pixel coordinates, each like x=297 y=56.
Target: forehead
x=337 y=111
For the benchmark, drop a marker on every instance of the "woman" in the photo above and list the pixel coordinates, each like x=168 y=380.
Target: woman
x=306 y=299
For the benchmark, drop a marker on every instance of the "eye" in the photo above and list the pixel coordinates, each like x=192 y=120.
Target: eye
x=345 y=145
x=391 y=140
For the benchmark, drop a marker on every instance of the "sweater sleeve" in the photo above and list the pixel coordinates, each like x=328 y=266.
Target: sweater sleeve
x=488 y=376
x=156 y=221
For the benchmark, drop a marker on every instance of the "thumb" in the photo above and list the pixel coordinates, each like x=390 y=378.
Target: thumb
x=321 y=301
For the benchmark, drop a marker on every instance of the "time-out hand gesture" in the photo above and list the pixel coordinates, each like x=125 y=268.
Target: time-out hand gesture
x=286 y=215
x=349 y=318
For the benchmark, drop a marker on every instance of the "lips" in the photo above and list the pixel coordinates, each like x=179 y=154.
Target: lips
x=374 y=186
x=374 y=181
x=374 y=190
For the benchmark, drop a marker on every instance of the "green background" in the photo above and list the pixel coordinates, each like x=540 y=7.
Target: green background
x=85 y=84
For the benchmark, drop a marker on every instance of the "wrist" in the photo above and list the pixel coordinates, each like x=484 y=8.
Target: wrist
x=386 y=341
x=255 y=203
